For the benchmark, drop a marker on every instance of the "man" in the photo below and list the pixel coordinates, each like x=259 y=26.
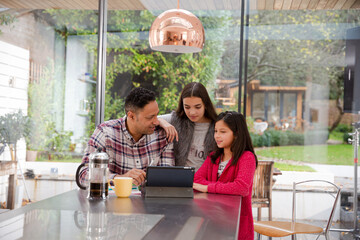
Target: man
x=133 y=142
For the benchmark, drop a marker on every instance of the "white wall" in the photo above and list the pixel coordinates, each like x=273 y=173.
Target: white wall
x=14 y=79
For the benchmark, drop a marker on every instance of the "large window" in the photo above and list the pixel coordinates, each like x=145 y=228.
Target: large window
x=294 y=60
x=47 y=77
x=131 y=62
x=296 y=65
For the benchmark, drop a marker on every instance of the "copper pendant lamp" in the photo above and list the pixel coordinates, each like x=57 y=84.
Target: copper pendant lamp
x=177 y=31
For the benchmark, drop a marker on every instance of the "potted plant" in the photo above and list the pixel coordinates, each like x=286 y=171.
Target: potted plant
x=13 y=126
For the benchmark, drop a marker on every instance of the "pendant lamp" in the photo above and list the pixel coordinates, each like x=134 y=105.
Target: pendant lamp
x=177 y=31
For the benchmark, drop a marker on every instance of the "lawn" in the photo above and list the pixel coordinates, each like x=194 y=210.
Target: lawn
x=289 y=167
x=59 y=159
x=341 y=154
x=338 y=136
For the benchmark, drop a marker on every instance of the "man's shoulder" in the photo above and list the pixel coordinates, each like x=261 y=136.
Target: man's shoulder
x=159 y=133
x=113 y=123
x=158 y=137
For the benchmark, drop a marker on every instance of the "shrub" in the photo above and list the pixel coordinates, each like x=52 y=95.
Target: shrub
x=295 y=138
x=346 y=136
x=273 y=137
x=284 y=139
x=256 y=140
x=344 y=128
x=259 y=140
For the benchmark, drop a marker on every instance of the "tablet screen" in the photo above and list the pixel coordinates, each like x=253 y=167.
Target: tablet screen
x=170 y=176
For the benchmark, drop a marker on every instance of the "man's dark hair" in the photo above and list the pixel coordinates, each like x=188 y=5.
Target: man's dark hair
x=138 y=98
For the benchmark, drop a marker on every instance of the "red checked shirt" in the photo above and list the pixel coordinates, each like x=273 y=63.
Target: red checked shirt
x=126 y=154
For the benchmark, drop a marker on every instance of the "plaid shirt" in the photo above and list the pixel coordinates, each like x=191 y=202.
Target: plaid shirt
x=126 y=154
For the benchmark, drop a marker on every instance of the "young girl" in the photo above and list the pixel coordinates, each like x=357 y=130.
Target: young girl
x=230 y=169
x=193 y=122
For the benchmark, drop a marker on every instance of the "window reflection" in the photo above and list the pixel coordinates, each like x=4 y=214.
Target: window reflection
x=296 y=67
x=47 y=68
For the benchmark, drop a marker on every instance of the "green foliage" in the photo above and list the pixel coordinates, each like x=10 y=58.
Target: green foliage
x=295 y=138
x=346 y=137
x=259 y=140
x=290 y=167
x=344 y=128
x=6 y=19
x=341 y=133
x=57 y=157
x=337 y=136
x=40 y=108
x=131 y=60
x=341 y=154
x=277 y=56
x=57 y=141
x=273 y=137
x=69 y=22
x=13 y=126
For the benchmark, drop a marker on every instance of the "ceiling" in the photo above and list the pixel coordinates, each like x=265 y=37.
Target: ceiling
x=185 y=4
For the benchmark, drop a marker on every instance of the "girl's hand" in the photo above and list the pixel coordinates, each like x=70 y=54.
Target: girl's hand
x=170 y=130
x=200 y=187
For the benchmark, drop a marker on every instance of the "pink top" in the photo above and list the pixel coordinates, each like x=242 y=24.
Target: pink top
x=235 y=180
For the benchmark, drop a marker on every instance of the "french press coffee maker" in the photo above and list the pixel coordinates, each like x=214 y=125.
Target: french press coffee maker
x=97 y=176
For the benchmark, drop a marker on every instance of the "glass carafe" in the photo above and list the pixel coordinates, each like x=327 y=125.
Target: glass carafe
x=98 y=175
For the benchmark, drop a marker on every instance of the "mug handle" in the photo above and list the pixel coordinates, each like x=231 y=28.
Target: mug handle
x=77 y=177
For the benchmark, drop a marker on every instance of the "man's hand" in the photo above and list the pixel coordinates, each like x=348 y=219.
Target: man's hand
x=200 y=187
x=170 y=130
x=137 y=175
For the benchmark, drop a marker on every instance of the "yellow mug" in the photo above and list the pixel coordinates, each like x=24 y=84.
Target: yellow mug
x=122 y=186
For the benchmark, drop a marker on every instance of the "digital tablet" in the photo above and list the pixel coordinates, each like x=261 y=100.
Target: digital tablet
x=157 y=176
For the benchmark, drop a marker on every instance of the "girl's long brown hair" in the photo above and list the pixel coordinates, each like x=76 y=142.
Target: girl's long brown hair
x=242 y=140
x=196 y=89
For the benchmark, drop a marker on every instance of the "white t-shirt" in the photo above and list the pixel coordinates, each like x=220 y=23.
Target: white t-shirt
x=222 y=166
x=197 y=153
x=196 y=156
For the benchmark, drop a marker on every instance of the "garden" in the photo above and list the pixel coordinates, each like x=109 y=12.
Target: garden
x=131 y=63
x=291 y=150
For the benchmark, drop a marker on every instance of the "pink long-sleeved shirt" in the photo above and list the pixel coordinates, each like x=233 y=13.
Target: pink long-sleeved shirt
x=235 y=180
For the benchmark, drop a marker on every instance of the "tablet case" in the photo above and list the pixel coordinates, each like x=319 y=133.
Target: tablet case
x=169 y=182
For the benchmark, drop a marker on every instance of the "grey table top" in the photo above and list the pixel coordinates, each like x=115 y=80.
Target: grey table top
x=72 y=216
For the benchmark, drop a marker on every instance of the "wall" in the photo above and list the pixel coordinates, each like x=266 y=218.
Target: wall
x=14 y=78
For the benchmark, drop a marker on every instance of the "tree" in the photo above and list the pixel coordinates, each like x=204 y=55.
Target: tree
x=290 y=48
x=6 y=19
x=130 y=60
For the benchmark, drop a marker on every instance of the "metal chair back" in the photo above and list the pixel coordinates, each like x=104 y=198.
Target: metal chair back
x=334 y=192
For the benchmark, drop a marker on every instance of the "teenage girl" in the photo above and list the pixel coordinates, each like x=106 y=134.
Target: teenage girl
x=192 y=124
x=230 y=168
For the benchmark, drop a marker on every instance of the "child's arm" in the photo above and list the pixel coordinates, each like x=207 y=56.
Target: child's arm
x=243 y=180
x=201 y=176
x=164 y=122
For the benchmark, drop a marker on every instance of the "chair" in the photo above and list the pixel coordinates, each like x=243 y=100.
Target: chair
x=282 y=229
x=262 y=187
